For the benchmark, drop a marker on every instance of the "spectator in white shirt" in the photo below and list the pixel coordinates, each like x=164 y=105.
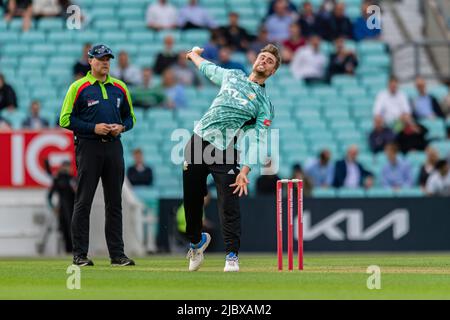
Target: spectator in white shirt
x=126 y=72
x=438 y=184
x=46 y=8
x=193 y=16
x=308 y=62
x=161 y=15
x=391 y=104
x=278 y=23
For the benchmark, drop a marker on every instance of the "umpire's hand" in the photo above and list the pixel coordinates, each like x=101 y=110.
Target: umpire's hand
x=102 y=129
x=116 y=129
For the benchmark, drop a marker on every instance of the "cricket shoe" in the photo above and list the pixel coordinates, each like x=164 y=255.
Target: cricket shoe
x=231 y=263
x=82 y=261
x=122 y=262
x=195 y=253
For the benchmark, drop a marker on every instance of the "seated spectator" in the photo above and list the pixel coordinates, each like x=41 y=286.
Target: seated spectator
x=428 y=167
x=342 y=61
x=446 y=102
x=321 y=171
x=8 y=99
x=360 y=29
x=4 y=124
x=327 y=8
x=425 y=106
x=139 y=174
x=46 y=8
x=290 y=7
x=295 y=41
x=278 y=23
x=411 y=136
x=161 y=15
x=34 y=121
x=173 y=91
x=297 y=173
x=266 y=184
x=126 y=72
x=81 y=68
x=391 y=104
x=438 y=184
x=236 y=37
x=147 y=95
x=211 y=49
x=20 y=8
x=226 y=62
x=167 y=57
x=380 y=135
x=397 y=172
x=338 y=24
x=349 y=173
x=308 y=62
x=184 y=72
x=193 y=16
x=260 y=42
x=308 y=20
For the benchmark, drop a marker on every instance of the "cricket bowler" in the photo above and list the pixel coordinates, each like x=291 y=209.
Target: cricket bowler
x=241 y=104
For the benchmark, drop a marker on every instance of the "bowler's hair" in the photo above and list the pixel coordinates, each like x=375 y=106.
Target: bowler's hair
x=270 y=48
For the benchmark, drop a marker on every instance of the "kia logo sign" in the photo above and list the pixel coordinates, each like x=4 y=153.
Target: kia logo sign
x=329 y=227
x=24 y=152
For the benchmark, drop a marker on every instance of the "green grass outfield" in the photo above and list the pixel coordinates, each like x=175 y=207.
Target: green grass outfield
x=326 y=276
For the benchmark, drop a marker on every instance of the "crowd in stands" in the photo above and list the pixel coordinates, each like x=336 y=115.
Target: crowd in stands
x=299 y=32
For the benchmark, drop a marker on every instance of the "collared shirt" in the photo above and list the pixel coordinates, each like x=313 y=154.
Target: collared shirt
x=162 y=15
x=391 y=106
x=278 y=27
x=397 y=174
x=438 y=185
x=319 y=174
x=423 y=107
x=353 y=175
x=131 y=75
x=308 y=63
x=195 y=15
x=89 y=102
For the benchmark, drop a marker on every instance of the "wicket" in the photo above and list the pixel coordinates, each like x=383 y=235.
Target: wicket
x=290 y=222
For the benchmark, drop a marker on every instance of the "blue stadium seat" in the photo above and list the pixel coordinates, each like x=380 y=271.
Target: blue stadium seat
x=324 y=192
x=350 y=193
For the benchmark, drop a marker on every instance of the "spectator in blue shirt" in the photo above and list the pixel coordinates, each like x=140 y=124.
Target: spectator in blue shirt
x=425 y=106
x=278 y=23
x=226 y=62
x=397 y=172
x=321 y=170
x=290 y=7
x=360 y=29
x=175 y=92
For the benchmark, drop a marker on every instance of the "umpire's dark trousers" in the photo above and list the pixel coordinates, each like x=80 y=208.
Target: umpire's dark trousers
x=99 y=159
x=202 y=159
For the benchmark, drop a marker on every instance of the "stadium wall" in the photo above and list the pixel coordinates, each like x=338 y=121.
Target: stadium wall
x=407 y=224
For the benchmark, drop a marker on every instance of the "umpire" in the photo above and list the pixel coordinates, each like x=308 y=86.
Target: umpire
x=98 y=108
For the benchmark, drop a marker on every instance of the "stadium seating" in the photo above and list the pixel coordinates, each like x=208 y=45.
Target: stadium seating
x=310 y=117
